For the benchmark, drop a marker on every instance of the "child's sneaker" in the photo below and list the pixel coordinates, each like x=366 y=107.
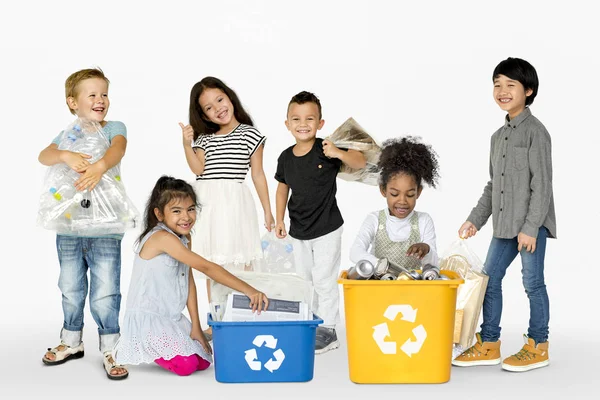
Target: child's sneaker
x=326 y=339
x=531 y=356
x=481 y=353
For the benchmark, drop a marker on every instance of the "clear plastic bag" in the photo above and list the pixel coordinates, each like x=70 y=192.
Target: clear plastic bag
x=275 y=275
x=289 y=287
x=278 y=255
x=104 y=210
x=469 y=298
x=351 y=136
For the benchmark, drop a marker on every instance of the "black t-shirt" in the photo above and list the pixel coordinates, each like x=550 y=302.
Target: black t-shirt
x=312 y=206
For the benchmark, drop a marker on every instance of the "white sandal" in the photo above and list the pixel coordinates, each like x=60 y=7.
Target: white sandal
x=110 y=364
x=64 y=355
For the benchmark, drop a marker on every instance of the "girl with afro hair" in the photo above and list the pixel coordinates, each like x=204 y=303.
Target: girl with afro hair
x=399 y=233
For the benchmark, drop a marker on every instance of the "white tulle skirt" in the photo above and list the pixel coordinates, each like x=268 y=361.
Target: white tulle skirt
x=226 y=230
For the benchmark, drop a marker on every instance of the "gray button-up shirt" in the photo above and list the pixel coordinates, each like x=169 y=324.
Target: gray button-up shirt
x=519 y=194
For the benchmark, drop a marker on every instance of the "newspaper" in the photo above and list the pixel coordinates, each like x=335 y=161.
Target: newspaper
x=238 y=309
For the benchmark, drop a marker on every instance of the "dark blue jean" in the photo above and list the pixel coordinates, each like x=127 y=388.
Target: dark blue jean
x=500 y=255
x=102 y=257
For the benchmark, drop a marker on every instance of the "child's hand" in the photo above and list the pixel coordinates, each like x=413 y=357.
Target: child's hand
x=418 y=250
x=198 y=335
x=280 y=230
x=526 y=241
x=257 y=299
x=92 y=175
x=467 y=230
x=188 y=134
x=269 y=221
x=330 y=150
x=78 y=162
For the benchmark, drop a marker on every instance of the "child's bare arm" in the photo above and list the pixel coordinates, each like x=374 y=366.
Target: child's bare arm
x=92 y=174
x=192 y=304
x=260 y=183
x=164 y=242
x=281 y=198
x=352 y=158
x=193 y=156
x=195 y=159
x=192 y=301
x=51 y=155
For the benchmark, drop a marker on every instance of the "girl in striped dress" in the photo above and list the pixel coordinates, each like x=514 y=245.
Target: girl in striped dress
x=221 y=145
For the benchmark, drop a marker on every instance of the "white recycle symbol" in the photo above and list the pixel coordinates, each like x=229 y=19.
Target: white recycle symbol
x=381 y=331
x=270 y=342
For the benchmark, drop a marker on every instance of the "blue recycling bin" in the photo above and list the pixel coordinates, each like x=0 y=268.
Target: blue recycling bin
x=264 y=351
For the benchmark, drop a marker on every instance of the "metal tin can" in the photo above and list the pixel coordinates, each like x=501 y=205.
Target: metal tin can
x=430 y=272
x=382 y=267
x=397 y=269
x=408 y=276
x=415 y=275
x=444 y=278
x=361 y=271
x=388 y=277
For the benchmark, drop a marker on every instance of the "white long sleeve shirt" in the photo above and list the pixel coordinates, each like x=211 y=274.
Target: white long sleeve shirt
x=398 y=230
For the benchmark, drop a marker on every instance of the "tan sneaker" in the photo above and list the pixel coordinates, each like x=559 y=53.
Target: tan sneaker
x=481 y=353
x=531 y=356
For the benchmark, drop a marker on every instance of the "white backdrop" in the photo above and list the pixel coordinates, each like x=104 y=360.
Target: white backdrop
x=420 y=68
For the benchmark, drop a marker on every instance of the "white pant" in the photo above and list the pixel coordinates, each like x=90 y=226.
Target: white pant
x=318 y=261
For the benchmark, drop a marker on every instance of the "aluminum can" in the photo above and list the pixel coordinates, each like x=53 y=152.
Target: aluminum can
x=409 y=276
x=430 y=272
x=361 y=271
x=381 y=268
x=384 y=266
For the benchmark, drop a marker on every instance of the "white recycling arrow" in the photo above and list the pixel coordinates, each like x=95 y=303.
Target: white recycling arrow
x=380 y=332
x=408 y=313
x=268 y=341
x=274 y=365
x=410 y=347
x=251 y=359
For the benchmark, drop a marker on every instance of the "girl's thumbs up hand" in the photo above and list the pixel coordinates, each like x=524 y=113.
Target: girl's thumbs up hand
x=188 y=134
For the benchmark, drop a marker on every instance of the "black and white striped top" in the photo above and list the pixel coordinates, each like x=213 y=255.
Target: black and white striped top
x=228 y=156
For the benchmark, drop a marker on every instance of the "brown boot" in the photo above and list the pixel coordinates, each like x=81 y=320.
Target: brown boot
x=531 y=356
x=481 y=353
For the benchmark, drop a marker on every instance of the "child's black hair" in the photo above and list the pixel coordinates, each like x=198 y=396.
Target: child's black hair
x=407 y=155
x=198 y=119
x=519 y=70
x=306 y=97
x=166 y=189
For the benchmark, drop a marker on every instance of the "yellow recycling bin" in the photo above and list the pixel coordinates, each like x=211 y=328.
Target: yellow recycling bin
x=400 y=331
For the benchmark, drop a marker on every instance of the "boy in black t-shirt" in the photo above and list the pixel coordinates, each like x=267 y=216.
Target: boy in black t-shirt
x=309 y=169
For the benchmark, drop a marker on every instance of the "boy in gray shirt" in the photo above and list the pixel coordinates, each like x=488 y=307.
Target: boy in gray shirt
x=519 y=198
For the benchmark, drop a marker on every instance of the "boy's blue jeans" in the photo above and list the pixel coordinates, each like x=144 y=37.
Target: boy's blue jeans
x=102 y=256
x=500 y=255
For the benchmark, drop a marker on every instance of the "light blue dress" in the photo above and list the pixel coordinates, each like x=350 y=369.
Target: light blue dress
x=154 y=326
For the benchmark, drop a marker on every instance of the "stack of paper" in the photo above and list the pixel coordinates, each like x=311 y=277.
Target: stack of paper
x=238 y=309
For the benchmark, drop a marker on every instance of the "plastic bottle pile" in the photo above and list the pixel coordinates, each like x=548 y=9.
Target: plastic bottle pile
x=104 y=210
